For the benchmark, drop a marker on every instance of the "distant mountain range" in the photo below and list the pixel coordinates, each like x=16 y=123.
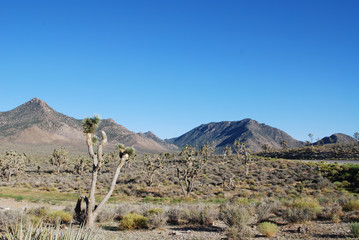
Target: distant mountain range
x=255 y=134
x=34 y=126
x=37 y=127
x=221 y=134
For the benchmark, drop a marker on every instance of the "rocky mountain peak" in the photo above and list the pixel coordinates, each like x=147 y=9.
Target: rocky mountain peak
x=37 y=102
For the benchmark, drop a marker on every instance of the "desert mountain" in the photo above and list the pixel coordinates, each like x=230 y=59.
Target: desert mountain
x=36 y=126
x=336 y=138
x=221 y=134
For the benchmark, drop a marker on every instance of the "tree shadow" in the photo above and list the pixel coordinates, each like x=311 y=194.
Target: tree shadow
x=197 y=229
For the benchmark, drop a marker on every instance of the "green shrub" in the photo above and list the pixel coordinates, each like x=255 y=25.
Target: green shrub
x=234 y=215
x=303 y=209
x=154 y=211
x=54 y=217
x=354 y=228
x=133 y=221
x=352 y=205
x=60 y=216
x=268 y=229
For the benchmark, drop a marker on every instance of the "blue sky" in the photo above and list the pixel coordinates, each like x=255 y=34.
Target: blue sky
x=169 y=66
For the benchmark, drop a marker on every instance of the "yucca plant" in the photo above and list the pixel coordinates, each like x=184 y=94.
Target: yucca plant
x=26 y=231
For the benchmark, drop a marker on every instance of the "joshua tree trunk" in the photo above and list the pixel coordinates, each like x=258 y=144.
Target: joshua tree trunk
x=92 y=210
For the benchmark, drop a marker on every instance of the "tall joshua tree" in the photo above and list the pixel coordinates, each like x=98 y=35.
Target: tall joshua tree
x=89 y=127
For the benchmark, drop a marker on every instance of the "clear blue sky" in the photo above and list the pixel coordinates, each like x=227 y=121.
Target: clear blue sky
x=169 y=66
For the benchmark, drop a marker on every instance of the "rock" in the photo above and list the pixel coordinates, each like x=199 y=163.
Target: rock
x=302 y=230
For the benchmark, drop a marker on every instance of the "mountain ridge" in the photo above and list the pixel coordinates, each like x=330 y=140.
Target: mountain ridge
x=224 y=133
x=38 y=126
x=35 y=122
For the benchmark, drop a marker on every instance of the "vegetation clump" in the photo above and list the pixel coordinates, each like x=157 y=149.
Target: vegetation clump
x=133 y=221
x=354 y=228
x=303 y=209
x=268 y=229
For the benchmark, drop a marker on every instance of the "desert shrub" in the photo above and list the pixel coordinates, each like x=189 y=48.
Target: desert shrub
x=329 y=212
x=39 y=212
x=351 y=205
x=123 y=209
x=53 y=217
x=302 y=210
x=234 y=215
x=156 y=218
x=201 y=214
x=59 y=217
x=336 y=218
x=107 y=214
x=133 y=221
x=237 y=219
x=354 y=228
x=175 y=215
x=209 y=214
x=238 y=232
x=268 y=229
x=265 y=209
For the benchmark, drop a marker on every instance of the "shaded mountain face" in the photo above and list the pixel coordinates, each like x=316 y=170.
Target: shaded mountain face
x=221 y=134
x=36 y=127
x=336 y=138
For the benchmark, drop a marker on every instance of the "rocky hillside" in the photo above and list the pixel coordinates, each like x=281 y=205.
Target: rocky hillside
x=37 y=127
x=336 y=138
x=221 y=134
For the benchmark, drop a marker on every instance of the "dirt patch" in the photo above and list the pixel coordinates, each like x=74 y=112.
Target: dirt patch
x=8 y=203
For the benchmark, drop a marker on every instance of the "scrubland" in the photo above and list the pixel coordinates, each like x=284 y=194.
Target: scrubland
x=230 y=198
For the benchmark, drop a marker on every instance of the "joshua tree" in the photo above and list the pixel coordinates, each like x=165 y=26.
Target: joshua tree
x=192 y=165
x=89 y=127
x=59 y=157
x=153 y=163
x=81 y=165
x=12 y=164
x=241 y=151
x=311 y=136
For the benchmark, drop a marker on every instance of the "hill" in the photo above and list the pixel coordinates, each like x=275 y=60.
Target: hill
x=35 y=126
x=221 y=134
x=336 y=138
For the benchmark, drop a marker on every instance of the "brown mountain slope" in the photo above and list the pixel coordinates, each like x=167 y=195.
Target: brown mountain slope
x=221 y=134
x=336 y=138
x=35 y=126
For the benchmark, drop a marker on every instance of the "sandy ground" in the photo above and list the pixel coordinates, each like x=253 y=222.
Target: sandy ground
x=9 y=203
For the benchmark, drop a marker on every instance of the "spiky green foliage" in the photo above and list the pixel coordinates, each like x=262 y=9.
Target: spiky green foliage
x=23 y=231
x=120 y=146
x=90 y=125
x=130 y=151
x=125 y=150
